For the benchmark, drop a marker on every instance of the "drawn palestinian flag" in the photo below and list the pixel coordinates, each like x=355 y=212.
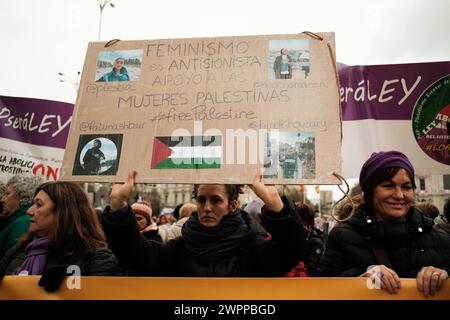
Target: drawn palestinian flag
x=187 y=152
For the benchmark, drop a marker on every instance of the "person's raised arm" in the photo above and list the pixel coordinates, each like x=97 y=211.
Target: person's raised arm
x=268 y=194
x=121 y=192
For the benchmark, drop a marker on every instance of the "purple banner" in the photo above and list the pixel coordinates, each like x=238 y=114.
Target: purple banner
x=35 y=121
x=386 y=92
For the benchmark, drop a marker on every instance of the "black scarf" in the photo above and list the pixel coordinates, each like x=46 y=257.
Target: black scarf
x=214 y=243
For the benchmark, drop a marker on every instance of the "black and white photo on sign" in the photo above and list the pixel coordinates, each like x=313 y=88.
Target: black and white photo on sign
x=98 y=155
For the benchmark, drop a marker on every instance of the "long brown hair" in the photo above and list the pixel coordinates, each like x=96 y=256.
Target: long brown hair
x=232 y=190
x=76 y=230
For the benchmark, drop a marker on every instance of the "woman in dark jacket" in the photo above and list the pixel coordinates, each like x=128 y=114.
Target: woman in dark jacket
x=64 y=232
x=387 y=238
x=218 y=240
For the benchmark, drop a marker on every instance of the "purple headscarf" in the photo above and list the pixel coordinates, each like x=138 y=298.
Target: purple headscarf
x=36 y=258
x=384 y=159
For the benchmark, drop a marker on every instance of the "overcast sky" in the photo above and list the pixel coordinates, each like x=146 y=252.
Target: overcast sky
x=40 y=38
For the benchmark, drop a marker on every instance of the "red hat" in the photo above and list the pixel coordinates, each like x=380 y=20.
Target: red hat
x=143 y=208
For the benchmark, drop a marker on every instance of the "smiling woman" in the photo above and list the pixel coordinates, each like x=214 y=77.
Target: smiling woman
x=388 y=238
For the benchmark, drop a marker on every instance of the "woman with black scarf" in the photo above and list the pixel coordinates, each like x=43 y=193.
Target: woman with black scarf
x=219 y=240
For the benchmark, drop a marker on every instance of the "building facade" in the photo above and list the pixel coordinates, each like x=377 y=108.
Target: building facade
x=434 y=189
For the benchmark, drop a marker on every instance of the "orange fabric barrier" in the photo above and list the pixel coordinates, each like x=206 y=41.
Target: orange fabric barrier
x=127 y=288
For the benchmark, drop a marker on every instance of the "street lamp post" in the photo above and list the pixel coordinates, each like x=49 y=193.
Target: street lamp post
x=102 y=4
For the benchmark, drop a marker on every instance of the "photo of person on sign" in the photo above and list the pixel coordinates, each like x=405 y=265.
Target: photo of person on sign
x=118 y=66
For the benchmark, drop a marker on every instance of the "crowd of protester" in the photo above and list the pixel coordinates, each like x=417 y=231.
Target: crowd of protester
x=47 y=227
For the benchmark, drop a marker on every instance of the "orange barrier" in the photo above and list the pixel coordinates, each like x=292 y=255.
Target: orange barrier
x=143 y=288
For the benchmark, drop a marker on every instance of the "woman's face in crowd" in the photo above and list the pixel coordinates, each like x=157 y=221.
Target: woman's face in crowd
x=141 y=221
x=393 y=199
x=42 y=214
x=162 y=220
x=213 y=204
x=11 y=201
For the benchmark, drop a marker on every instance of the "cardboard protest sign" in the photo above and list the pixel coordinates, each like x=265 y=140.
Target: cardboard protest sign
x=210 y=110
x=404 y=107
x=33 y=134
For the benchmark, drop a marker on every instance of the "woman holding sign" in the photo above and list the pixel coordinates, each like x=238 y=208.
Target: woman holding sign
x=218 y=240
x=388 y=238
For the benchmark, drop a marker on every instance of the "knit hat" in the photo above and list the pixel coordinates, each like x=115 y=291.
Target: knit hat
x=384 y=159
x=143 y=208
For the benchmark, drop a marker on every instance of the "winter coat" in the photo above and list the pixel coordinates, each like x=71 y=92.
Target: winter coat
x=112 y=77
x=290 y=165
x=409 y=245
x=277 y=67
x=91 y=160
x=101 y=262
x=314 y=251
x=13 y=227
x=152 y=235
x=254 y=257
x=441 y=223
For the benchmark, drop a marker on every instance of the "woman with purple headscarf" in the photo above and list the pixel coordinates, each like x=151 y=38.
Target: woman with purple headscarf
x=388 y=238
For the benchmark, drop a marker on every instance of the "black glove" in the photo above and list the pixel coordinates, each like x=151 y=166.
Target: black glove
x=52 y=278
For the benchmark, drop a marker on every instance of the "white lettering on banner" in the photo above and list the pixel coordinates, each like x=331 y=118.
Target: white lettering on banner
x=61 y=126
x=405 y=89
x=385 y=91
x=363 y=91
x=28 y=122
